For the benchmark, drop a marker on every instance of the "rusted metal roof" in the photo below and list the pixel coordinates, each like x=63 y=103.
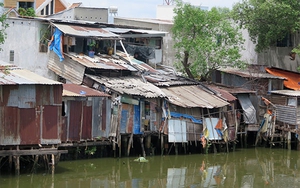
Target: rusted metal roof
x=12 y=75
x=293 y=93
x=193 y=96
x=222 y=93
x=125 y=32
x=83 y=31
x=129 y=85
x=168 y=80
x=75 y=90
x=101 y=62
x=249 y=73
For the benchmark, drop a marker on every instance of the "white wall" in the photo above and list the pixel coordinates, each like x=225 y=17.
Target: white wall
x=23 y=37
x=165 y=12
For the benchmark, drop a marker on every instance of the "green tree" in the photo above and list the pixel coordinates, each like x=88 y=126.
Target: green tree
x=205 y=40
x=267 y=21
x=3 y=26
x=27 y=12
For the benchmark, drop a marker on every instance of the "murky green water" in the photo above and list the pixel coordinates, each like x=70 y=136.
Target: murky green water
x=246 y=168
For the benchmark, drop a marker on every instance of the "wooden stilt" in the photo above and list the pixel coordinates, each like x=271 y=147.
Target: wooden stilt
x=120 y=145
x=245 y=139
x=215 y=148
x=17 y=165
x=162 y=144
x=10 y=161
x=142 y=145
x=129 y=144
x=289 y=140
x=114 y=147
x=148 y=145
x=176 y=148
x=184 y=147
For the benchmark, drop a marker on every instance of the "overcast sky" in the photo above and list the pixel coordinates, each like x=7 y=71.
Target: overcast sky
x=146 y=8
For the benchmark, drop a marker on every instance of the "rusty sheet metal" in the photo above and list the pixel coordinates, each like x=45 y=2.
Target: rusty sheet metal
x=86 y=128
x=75 y=112
x=48 y=95
x=192 y=96
x=168 y=80
x=18 y=76
x=129 y=85
x=83 y=31
x=293 y=93
x=249 y=73
x=223 y=93
x=75 y=90
x=68 y=69
x=29 y=128
x=51 y=118
x=9 y=126
x=105 y=62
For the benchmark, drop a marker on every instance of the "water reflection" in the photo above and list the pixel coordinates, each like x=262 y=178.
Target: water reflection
x=249 y=168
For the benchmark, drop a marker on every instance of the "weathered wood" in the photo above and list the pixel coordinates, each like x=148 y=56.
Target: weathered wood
x=31 y=152
x=129 y=144
x=142 y=145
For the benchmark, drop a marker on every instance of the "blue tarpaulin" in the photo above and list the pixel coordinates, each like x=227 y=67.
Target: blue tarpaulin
x=56 y=44
x=179 y=115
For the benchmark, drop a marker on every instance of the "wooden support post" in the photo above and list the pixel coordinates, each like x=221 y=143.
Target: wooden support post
x=176 y=148
x=215 y=148
x=129 y=144
x=289 y=140
x=241 y=139
x=245 y=138
x=184 y=147
x=10 y=161
x=17 y=165
x=162 y=144
x=114 y=147
x=148 y=145
x=142 y=145
x=120 y=145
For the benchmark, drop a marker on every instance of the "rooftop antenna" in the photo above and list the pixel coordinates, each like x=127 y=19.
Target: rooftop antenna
x=168 y=2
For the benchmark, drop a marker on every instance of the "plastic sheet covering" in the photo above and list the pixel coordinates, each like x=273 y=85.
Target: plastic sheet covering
x=248 y=109
x=179 y=115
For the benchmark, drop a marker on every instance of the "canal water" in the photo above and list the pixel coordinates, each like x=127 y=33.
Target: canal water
x=243 y=168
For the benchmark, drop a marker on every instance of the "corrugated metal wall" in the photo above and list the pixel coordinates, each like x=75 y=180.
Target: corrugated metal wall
x=29 y=115
x=87 y=119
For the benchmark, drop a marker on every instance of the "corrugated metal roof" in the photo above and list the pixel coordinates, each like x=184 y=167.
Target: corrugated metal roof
x=12 y=75
x=294 y=93
x=136 y=31
x=101 y=62
x=83 y=31
x=223 y=93
x=192 y=96
x=129 y=85
x=249 y=74
x=75 y=90
x=168 y=80
x=68 y=69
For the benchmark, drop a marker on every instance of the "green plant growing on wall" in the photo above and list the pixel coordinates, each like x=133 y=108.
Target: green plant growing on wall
x=90 y=150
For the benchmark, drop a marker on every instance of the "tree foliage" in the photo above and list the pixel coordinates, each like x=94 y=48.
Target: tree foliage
x=3 y=26
x=267 y=20
x=27 y=12
x=205 y=40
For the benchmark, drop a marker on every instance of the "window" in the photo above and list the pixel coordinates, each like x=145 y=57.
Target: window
x=11 y=56
x=285 y=42
x=26 y=5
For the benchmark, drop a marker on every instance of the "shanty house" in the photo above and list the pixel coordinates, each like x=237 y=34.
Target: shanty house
x=191 y=110
x=30 y=108
x=86 y=114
